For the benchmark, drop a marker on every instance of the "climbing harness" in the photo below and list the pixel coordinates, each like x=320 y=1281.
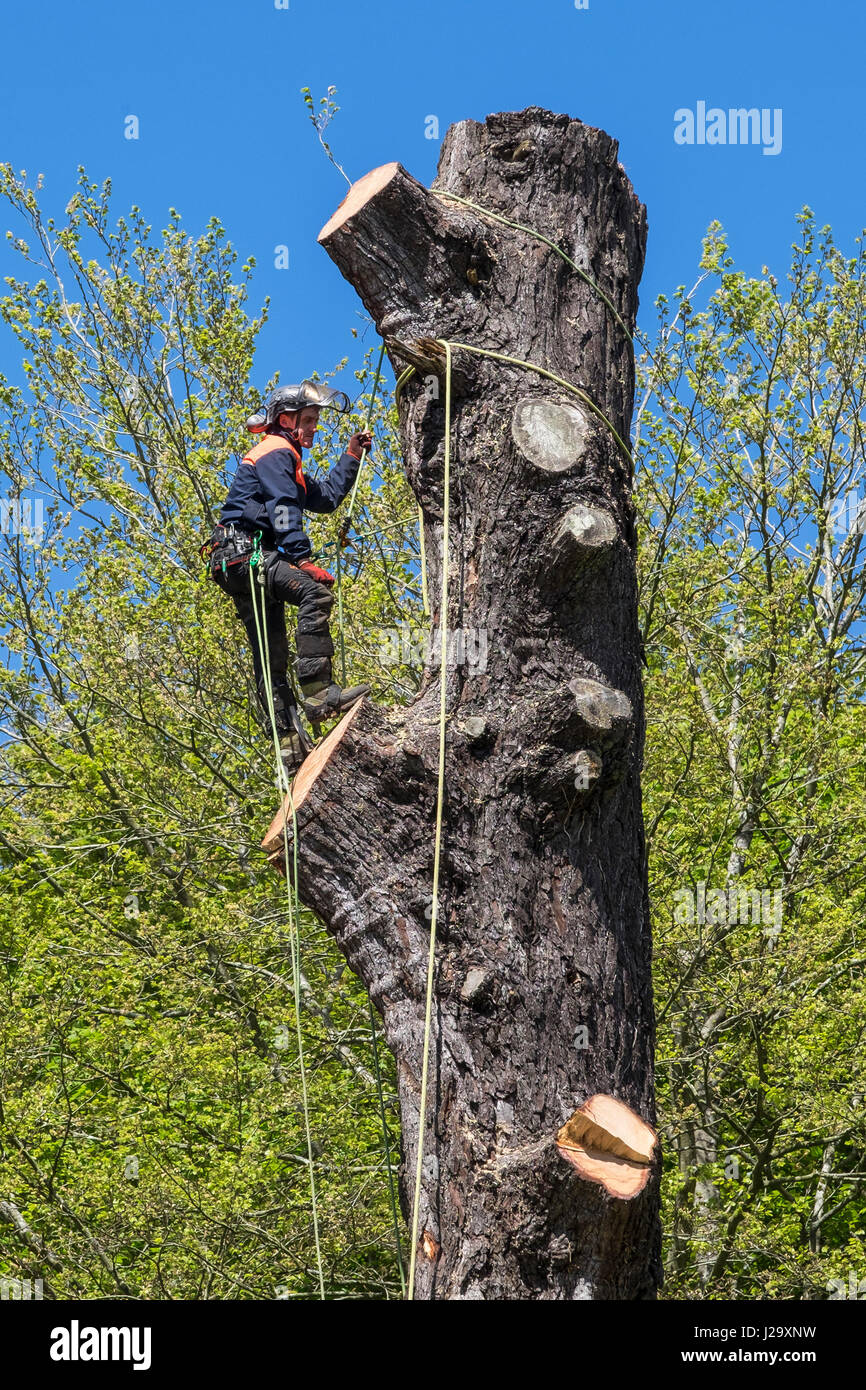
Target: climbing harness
x=348 y=520
x=236 y=543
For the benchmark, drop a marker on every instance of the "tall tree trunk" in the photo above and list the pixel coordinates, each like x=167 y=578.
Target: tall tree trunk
x=542 y=985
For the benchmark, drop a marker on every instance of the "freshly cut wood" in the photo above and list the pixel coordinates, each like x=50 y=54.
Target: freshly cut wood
x=618 y=1176
x=274 y=842
x=361 y=191
x=608 y=1143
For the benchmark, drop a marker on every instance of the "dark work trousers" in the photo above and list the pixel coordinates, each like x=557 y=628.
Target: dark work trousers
x=283 y=583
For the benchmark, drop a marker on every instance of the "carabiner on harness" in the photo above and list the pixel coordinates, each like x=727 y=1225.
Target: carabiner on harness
x=256 y=563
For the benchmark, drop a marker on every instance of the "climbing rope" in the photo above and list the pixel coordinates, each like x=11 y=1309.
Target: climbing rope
x=375 y=1038
x=449 y=346
x=293 y=901
x=347 y=521
x=539 y=236
x=440 y=799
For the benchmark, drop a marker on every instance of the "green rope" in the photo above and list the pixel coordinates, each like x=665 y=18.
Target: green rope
x=542 y=371
x=386 y=1144
x=346 y=523
x=425 y=599
x=375 y=1039
x=294 y=904
x=539 y=236
x=440 y=799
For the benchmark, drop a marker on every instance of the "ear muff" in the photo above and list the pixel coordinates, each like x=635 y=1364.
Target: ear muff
x=258 y=423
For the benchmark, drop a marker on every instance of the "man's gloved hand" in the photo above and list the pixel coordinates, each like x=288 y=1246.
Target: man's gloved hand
x=360 y=441
x=315 y=572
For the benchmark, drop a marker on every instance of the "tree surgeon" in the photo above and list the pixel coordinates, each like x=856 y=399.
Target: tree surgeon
x=262 y=520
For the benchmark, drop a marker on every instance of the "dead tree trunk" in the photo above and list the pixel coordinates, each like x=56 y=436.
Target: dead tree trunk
x=542 y=993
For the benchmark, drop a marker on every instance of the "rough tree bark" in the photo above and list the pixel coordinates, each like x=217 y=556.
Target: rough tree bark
x=542 y=994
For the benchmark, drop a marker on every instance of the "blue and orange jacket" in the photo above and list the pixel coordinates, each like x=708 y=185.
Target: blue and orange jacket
x=270 y=494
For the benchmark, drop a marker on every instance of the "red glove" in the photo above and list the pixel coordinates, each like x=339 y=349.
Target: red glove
x=360 y=441
x=322 y=576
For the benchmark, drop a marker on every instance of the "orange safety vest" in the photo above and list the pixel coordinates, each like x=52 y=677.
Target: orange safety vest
x=277 y=441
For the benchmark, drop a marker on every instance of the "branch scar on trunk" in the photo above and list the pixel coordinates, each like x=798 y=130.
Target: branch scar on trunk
x=609 y=1144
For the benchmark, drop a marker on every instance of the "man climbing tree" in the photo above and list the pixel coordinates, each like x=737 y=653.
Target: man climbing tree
x=260 y=555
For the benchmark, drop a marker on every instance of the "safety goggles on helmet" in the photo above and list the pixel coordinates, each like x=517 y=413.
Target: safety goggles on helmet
x=287 y=399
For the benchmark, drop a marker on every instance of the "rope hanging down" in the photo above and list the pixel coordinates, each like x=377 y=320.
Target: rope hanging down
x=440 y=798
x=448 y=347
x=347 y=521
x=344 y=528
x=293 y=902
x=539 y=236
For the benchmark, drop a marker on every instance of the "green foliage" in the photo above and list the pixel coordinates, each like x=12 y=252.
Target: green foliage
x=752 y=588
x=321 y=119
x=153 y=1138
x=152 y=1132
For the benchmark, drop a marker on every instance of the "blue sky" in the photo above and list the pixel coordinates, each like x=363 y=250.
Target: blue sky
x=215 y=85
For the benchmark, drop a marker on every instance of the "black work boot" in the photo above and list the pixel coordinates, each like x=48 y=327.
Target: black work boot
x=326 y=701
